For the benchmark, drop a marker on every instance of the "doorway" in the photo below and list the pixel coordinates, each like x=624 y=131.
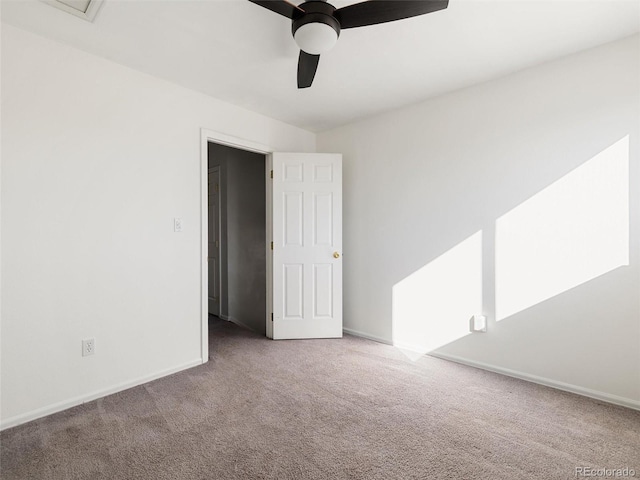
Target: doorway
x=324 y=180
x=237 y=273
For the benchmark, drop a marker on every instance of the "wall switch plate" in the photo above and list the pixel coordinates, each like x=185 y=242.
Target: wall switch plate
x=177 y=224
x=88 y=346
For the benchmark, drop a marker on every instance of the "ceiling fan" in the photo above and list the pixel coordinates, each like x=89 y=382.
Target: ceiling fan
x=316 y=24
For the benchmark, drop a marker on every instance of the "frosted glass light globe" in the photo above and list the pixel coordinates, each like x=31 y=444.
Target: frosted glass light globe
x=316 y=38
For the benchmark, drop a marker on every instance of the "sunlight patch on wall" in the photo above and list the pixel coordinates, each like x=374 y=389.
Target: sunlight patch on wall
x=569 y=233
x=433 y=306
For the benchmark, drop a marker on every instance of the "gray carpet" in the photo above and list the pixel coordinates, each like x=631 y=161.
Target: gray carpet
x=324 y=409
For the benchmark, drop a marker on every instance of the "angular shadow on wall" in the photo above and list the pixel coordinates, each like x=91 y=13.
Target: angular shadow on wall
x=574 y=230
x=430 y=307
x=569 y=233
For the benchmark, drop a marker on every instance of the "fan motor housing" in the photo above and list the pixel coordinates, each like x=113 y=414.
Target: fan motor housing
x=315 y=11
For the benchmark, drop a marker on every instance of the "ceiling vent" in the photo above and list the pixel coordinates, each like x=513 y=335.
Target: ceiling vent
x=86 y=9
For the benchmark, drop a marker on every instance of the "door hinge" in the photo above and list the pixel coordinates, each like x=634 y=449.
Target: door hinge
x=217 y=244
x=272 y=317
x=271 y=173
x=271 y=245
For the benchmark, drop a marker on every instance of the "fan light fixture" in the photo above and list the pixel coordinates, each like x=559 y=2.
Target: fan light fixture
x=316 y=38
x=316 y=24
x=316 y=30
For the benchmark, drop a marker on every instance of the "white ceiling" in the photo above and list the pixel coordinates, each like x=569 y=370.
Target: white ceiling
x=241 y=53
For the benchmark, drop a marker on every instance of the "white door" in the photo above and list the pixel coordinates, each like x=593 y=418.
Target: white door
x=214 y=241
x=307 y=245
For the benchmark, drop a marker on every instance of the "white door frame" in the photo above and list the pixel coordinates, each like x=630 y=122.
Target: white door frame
x=207 y=136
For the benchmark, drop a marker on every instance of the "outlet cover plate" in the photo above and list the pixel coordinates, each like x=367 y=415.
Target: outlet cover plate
x=88 y=347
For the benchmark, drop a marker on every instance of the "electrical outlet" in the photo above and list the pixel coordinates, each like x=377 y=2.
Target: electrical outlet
x=88 y=346
x=478 y=324
x=177 y=224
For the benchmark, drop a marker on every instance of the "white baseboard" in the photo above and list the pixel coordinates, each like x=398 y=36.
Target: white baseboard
x=234 y=320
x=357 y=333
x=60 y=406
x=240 y=324
x=411 y=347
x=567 y=387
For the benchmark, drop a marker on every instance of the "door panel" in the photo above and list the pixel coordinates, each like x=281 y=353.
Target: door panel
x=293 y=291
x=323 y=218
x=307 y=252
x=322 y=290
x=293 y=218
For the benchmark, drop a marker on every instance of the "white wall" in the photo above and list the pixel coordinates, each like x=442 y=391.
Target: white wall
x=426 y=193
x=97 y=160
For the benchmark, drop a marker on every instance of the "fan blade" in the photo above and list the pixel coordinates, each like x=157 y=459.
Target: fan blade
x=283 y=7
x=382 y=11
x=307 y=66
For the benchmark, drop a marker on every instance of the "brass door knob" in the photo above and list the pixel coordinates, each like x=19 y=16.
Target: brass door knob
x=336 y=255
